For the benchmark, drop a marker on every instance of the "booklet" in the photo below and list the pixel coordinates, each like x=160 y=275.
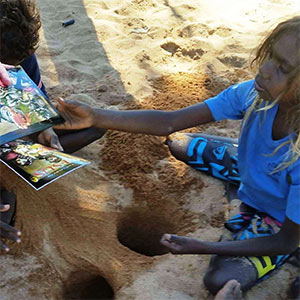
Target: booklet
x=24 y=109
x=36 y=164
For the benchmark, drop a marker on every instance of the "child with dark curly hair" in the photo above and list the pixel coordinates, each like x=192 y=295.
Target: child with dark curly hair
x=19 y=38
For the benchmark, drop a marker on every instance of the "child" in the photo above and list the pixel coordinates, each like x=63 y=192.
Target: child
x=266 y=231
x=19 y=37
x=19 y=27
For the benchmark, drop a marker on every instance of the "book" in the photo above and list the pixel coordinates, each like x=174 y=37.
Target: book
x=24 y=109
x=38 y=165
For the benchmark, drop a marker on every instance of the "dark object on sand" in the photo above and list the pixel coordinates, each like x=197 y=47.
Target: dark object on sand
x=69 y=22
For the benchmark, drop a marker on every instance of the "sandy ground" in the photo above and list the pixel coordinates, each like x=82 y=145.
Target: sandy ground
x=94 y=233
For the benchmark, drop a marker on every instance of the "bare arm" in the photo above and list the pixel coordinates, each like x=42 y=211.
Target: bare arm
x=284 y=242
x=155 y=122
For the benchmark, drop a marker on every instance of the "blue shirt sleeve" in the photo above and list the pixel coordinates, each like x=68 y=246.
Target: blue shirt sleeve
x=233 y=102
x=293 y=200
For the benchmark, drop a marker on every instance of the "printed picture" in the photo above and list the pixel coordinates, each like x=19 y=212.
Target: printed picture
x=36 y=164
x=24 y=109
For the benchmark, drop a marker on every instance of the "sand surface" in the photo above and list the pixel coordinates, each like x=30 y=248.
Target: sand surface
x=94 y=233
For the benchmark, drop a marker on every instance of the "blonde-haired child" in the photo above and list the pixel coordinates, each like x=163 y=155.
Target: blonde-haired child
x=265 y=232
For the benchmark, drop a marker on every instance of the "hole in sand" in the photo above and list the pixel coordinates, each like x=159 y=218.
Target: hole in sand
x=140 y=231
x=89 y=288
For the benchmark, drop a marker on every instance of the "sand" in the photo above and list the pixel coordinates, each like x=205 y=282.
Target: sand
x=94 y=233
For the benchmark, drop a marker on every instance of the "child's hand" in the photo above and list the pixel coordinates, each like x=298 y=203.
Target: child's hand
x=7 y=231
x=181 y=244
x=49 y=138
x=76 y=114
x=4 y=78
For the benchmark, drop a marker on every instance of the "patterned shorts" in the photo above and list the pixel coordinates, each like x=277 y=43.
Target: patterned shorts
x=215 y=157
x=246 y=226
x=218 y=157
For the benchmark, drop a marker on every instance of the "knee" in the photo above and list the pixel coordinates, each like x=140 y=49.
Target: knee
x=214 y=281
x=178 y=144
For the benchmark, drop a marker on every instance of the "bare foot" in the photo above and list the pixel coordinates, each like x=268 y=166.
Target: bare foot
x=230 y=291
x=181 y=244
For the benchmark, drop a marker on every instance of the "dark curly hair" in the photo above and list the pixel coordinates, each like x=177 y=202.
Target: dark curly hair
x=19 y=30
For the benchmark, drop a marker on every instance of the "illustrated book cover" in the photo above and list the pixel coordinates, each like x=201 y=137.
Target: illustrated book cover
x=38 y=165
x=24 y=109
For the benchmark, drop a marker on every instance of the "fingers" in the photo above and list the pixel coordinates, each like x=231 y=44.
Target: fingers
x=11 y=236
x=7 y=67
x=4 y=207
x=168 y=239
x=55 y=143
x=3 y=246
x=67 y=103
x=8 y=228
x=8 y=232
x=4 y=78
x=49 y=138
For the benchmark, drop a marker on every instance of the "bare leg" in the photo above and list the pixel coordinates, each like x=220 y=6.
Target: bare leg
x=74 y=140
x=178 y=143
x=230 y=291
x=224 y=268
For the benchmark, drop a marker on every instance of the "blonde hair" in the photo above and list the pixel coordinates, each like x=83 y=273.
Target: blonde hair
x=291 y=25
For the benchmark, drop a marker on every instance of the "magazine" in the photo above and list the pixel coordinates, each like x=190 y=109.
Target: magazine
x=24 y=109
x=36 y=164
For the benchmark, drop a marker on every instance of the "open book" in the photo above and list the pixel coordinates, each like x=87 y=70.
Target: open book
x=25 y=110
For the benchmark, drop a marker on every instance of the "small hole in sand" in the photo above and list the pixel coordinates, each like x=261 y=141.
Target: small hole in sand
x=140 y=231
x=90 y=288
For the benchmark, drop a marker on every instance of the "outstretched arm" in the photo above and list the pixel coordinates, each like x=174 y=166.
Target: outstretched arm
x=285 y=241
x=155 y=122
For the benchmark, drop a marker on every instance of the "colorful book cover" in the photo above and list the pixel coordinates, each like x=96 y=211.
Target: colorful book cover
x=36 y=164
x=24 y=109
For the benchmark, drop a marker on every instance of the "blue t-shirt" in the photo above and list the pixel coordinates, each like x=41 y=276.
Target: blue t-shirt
x=276 y=194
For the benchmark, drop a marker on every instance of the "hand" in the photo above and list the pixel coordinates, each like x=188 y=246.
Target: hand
x=4 y=78
x=49 y=138
x=77 y=115
x=7 y=231
x=180 y=244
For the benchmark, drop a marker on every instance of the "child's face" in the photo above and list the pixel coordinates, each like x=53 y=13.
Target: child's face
x=273 y=75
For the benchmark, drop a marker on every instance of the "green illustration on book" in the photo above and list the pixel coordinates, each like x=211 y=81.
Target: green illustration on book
x=24 y=109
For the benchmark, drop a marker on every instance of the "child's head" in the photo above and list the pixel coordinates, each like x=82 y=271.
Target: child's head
x=278 y=59
x=278 y=79
x=19 y=30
